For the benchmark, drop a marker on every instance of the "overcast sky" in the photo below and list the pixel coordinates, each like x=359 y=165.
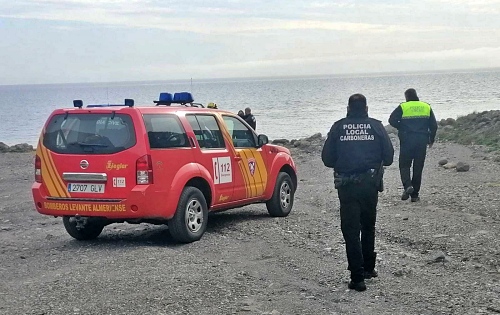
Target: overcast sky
x=59 y=41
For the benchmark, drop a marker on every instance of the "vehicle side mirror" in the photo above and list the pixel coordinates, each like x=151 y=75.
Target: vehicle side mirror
x=262 y=140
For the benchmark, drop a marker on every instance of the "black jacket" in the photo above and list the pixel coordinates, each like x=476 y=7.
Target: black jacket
x=250 y=119
x=414 y=125
x=356 y=144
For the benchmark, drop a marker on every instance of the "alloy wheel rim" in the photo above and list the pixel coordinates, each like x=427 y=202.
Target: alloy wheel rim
x=285 y=195
x=194 y=216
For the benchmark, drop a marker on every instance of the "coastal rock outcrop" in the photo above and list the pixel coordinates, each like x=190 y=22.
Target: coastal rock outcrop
x=17 y=148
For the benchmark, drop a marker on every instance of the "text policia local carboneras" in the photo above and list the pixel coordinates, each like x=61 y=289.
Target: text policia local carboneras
x=357 y=132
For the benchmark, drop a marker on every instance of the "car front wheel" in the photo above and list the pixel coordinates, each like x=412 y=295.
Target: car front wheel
x=281 y=202
x=190 y=219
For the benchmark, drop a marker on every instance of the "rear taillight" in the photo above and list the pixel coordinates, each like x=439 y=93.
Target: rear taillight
x=144 y=169
x=38 y=169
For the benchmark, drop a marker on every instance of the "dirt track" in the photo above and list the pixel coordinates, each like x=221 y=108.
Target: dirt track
x=249 y=263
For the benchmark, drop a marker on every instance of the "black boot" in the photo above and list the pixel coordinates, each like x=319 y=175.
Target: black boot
x=358 y=286
x=371 y=274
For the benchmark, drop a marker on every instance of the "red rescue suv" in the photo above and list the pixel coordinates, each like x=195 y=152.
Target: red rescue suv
x=166 y=164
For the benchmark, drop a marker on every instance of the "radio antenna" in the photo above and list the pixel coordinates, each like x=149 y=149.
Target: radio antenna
x=191 y=85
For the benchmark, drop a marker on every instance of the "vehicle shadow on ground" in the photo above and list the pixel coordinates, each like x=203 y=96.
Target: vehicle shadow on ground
x=118 y=236
x=220 y=221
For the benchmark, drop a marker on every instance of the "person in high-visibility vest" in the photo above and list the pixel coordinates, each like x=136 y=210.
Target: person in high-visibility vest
x=417 y=128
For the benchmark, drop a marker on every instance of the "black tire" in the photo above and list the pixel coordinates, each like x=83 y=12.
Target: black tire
x=191 y=216
x=88 y=231
x=281 y=202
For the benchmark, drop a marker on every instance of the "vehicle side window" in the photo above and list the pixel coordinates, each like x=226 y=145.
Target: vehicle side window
x=242 y=136
x=165 y=131
x=207 y=131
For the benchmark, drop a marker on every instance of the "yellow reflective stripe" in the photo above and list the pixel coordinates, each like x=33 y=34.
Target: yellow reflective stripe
x=262 y=170
x=415 y=109
x=47 y=176
x=245 y=179
x=251 y=180
x=58 y=180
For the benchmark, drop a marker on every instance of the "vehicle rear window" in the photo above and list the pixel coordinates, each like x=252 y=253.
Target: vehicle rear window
x=89 y=133
x=165 y=131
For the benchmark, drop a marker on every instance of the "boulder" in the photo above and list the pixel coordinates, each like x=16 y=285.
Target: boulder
x=280 y=141
x=462 y=167
x=21 y=147
x=448 y=128
x=3 y=147
x=450 y=121
x=443 y=162
x=442 y=122
x=302 y=143
x=314 y=137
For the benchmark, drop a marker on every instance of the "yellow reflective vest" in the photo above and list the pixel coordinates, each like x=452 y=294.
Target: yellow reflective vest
x=415 y=109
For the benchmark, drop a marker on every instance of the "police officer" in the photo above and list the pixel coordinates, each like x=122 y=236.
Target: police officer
x=250 y=118
x=357 y=148
x=212 y=105
x=417 y=128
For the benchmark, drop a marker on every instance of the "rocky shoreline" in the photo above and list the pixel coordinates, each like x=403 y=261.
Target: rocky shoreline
x=16 y=148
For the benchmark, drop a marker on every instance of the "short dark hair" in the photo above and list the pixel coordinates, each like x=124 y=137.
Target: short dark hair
x=411 y=95
x=357 y=103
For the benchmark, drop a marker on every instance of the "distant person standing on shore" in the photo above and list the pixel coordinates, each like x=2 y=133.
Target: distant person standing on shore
x=249 y=118
x=357 y=148
x=417 y=127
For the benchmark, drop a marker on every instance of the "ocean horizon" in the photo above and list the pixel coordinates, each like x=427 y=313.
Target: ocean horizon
x=285 y=107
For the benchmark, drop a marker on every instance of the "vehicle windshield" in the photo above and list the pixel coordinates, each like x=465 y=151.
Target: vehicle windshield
x=89 y=133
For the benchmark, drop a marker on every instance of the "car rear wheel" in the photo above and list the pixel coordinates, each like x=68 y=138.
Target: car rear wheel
x=83 y=229
x=190 y=219
x=281 y=202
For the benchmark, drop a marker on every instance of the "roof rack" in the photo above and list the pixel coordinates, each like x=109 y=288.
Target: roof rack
x=128 y=102
x=181 y=98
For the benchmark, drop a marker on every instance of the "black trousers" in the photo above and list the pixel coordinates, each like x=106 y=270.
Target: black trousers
x=358 y=213
x=413 y=149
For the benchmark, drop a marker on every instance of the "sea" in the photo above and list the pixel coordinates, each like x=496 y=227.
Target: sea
x=285 y=107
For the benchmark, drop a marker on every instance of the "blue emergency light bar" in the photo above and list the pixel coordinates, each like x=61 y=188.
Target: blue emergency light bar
x=165 y=99
x=182 y=98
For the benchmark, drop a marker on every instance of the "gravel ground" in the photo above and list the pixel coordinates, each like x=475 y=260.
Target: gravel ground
x=439 y=256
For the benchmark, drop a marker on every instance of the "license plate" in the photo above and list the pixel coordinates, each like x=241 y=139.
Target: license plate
x=86 y=188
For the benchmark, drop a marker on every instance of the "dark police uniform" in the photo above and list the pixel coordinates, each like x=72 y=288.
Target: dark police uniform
x=356 y=148
x=250 y=119
x=417 y=128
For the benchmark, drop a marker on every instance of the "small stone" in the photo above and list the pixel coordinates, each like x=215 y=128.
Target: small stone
x=462 y=167
x=437 y=257
x=398 y=273
x=439 y=235
x=280 y=141
x=450 y=165
x=443 y=162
